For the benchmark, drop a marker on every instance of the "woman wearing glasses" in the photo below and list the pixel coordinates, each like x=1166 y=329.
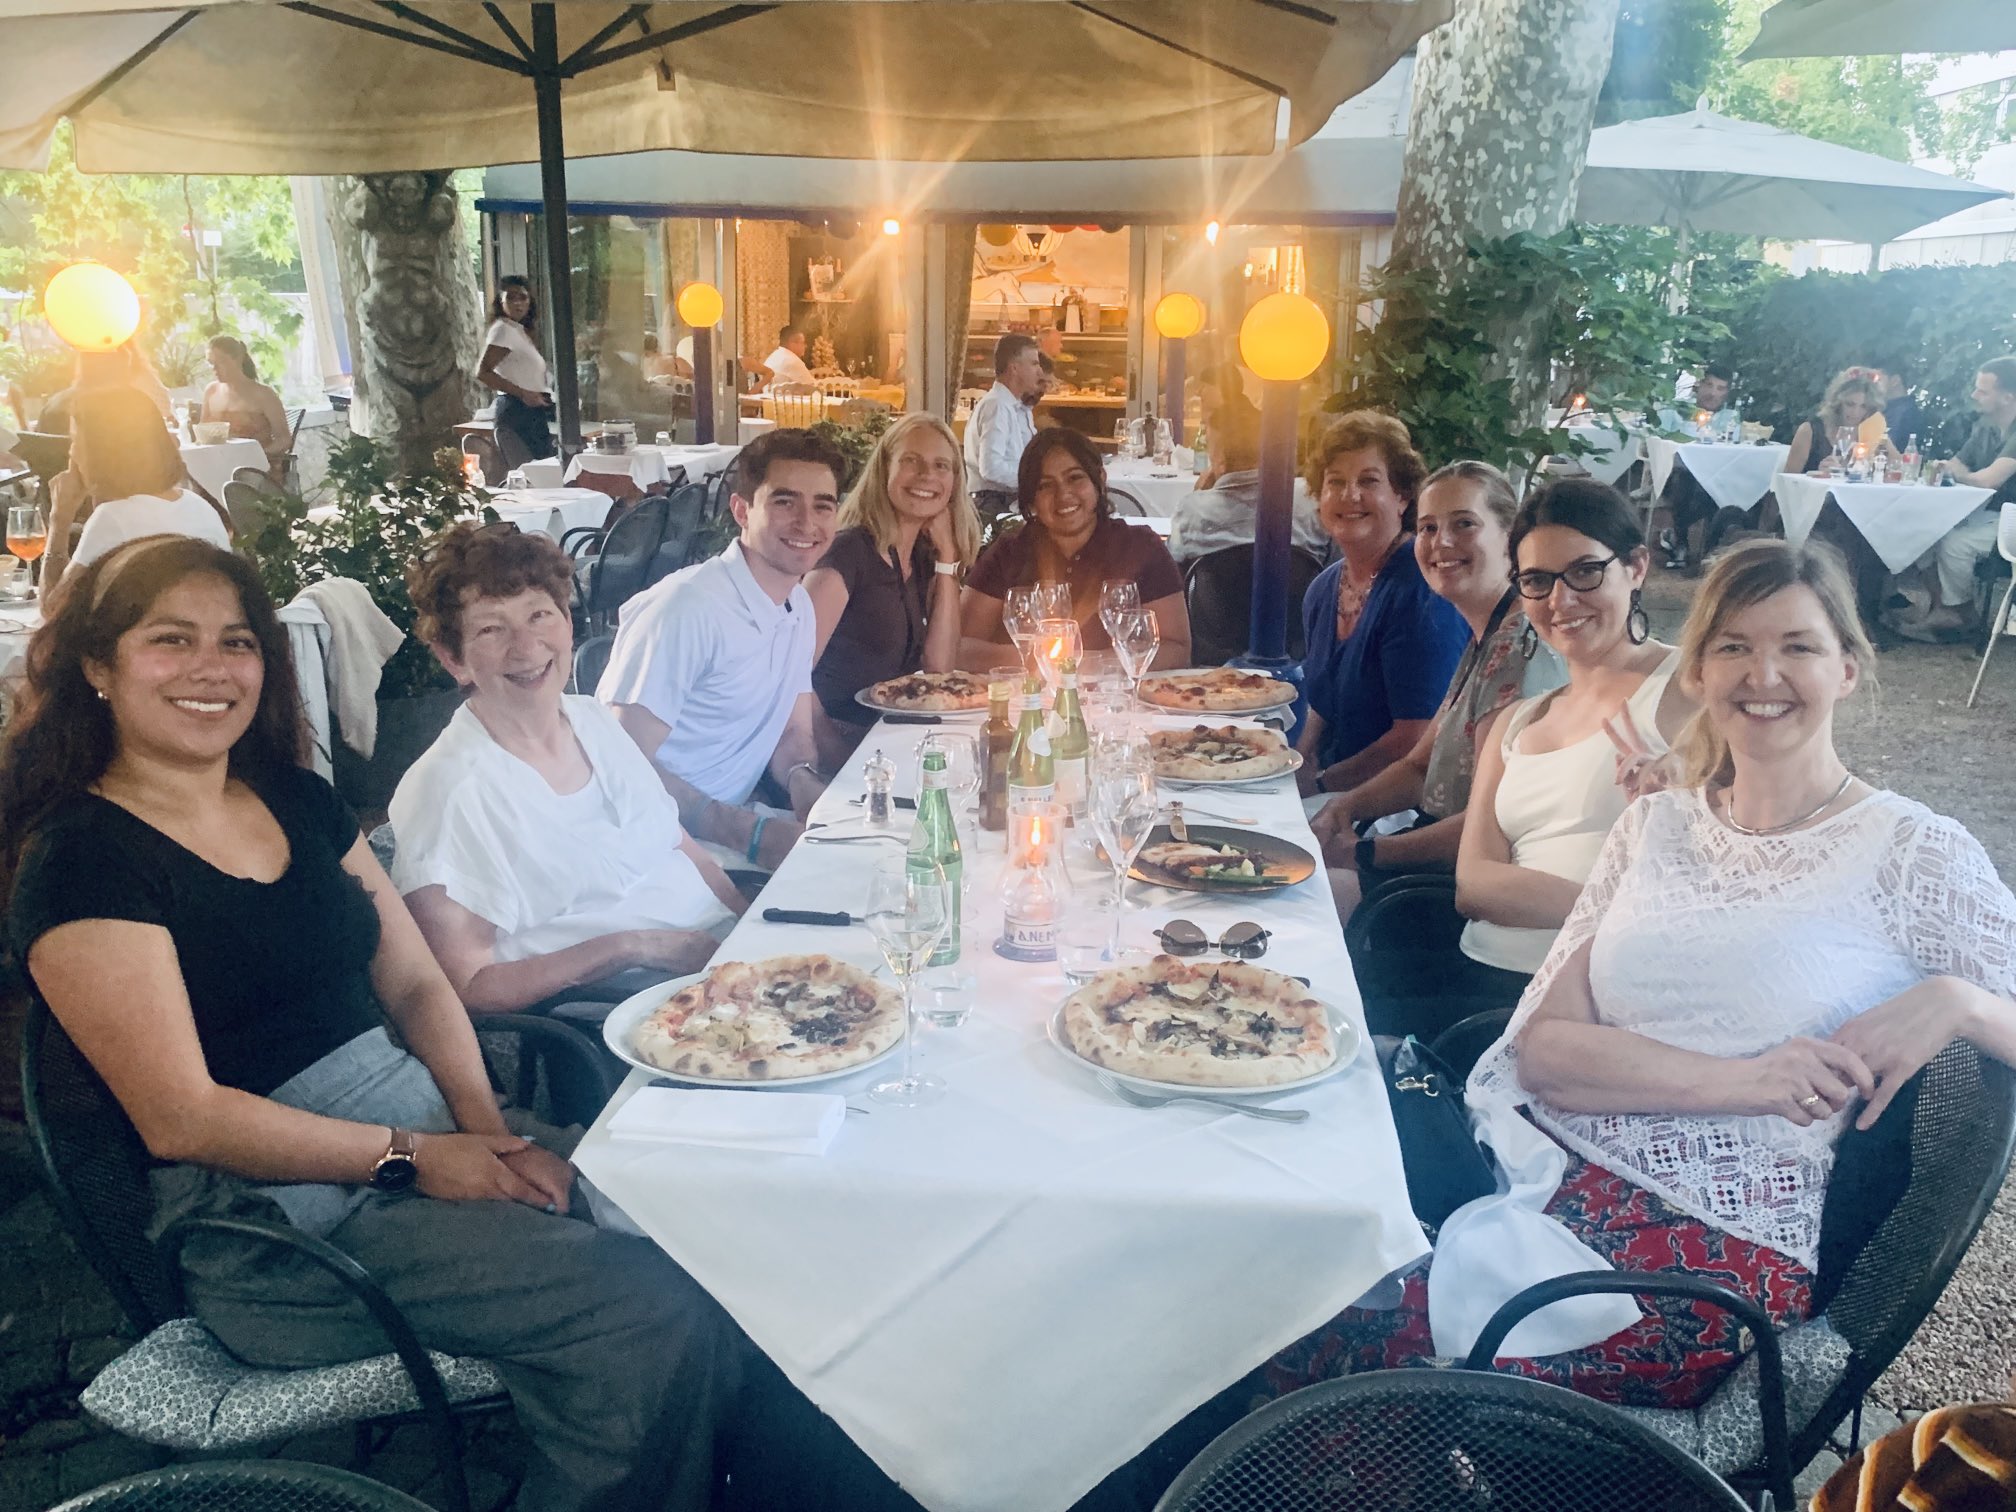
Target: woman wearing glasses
x=1558 y=769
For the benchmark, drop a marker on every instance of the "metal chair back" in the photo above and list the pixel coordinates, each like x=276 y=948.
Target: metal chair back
x=95 y=1166
x=244 y=1486
x=794 y=404
x=1218 y=588
x=247 y=506
x=1443 y=1441
x=622 y=568
x=685 y=511
x=591 y=656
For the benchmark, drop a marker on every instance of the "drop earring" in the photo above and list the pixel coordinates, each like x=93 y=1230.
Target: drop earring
x=1638 y=624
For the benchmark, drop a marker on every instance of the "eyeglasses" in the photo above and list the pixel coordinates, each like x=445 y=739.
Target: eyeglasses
x=1583 y=577
x=1244 y=941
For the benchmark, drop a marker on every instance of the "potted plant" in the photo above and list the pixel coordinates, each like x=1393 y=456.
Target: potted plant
x=375 y=520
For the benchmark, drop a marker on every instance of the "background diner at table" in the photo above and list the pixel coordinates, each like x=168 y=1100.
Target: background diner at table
x=1381 y=646
x=1987 y=460
x=1070 y=535
x=252 y=409
x=1223 y=510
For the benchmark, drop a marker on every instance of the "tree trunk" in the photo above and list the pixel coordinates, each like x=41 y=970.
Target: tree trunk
x=412 y=307
x=1504 y=98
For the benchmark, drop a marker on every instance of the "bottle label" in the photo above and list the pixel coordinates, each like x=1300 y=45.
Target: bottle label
x=1019 y=793
x=1039 y=741
x=1071 y=782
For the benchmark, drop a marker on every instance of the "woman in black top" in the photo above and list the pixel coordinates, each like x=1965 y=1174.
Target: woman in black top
x=887 y=594
x=203 y=919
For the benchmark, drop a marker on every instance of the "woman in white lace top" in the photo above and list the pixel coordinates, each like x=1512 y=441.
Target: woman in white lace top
x=1755 y=957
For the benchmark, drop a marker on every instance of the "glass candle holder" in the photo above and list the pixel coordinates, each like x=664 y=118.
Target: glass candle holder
x=1033 y=886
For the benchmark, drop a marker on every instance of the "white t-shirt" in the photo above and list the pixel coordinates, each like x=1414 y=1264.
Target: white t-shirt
x=523 y=364
x=997 y=433
x=788 y=366
x=718 y=661
x=547 y=869
x=117 y=521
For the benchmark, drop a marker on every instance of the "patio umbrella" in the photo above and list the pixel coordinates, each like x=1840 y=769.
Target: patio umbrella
x=368 y=86
x=1861 y=28
x=1706 y=172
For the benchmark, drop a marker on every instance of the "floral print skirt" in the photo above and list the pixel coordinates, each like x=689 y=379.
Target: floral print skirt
x=1673 y=1356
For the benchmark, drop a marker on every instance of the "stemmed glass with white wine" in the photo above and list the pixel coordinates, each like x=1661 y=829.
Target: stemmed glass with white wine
x=1136 y=639
x=1123 y=804
x=908 y=913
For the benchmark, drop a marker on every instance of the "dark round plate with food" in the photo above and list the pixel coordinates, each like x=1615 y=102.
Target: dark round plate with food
x=1221 y=859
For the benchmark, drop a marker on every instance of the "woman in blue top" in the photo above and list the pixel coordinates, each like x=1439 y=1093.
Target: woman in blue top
x=1382 y=645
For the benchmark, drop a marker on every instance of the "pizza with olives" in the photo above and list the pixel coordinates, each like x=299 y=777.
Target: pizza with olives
x=1222 y=753
x=928 y=693
x=1200 y=1024
x=1215 y=690
x=777 y=1020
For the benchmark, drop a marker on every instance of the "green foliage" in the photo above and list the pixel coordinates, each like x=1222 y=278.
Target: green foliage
x=1592 y=300
x=381 y=521
x=147 y=225
x=855 y=442
x=1790 y=336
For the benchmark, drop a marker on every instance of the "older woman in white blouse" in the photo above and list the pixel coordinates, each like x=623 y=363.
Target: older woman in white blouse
x=1757 y=960
x=536 y=847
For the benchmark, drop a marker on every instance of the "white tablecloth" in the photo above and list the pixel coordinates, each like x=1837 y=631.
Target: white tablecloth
x=1735 y=477
x=1006 y=1294
x=17 y=623
x=212 y=466
x=551 y=511
x=1900 y=522
x=642 y=465
x=701 y=462
x=749 y=427
x=1615 y=452
x=1158 y=495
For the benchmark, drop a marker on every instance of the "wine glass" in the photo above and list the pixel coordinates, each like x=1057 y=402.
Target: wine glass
x=27 y=537
x=1019 y=617
x=1136 y=639
x=1117 y=596
x=1057 y=641
x=1844 y=443
x=1123 y=804
x=1053 y=599
x=907 y=913
x=1120 y=436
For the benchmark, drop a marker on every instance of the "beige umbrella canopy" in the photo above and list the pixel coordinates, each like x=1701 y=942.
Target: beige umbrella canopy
x=1861 y=28
x=373 y=86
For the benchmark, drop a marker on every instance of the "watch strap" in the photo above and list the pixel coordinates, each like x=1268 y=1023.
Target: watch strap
x=1366 y=853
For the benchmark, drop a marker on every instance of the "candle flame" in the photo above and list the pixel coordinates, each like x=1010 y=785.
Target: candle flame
x=1057 y=649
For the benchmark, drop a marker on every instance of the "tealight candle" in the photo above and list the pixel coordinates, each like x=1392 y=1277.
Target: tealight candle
x=1032 y=886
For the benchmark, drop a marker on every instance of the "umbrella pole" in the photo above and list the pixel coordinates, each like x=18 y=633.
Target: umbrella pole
x=553 y=193
x=1683 y=271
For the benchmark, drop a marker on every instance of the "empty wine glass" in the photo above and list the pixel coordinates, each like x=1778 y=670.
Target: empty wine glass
x=1117 y=596
x=1136 y=639
x=907 y=913
x=1019 y=617
x=1844 y=443
x=1123 y=804
x=1120 y=437
x=1054 y=600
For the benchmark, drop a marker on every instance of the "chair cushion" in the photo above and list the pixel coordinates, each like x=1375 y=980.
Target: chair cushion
x=181 y=1388
x=1726 y=1432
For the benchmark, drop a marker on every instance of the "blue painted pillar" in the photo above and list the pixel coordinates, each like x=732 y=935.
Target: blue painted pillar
x=704 y=381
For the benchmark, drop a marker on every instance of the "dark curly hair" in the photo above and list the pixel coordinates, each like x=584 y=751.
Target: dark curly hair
x=495 y=561
x=751 y=466
x=1029 y=474
x=62 y=737
x=1587 y=507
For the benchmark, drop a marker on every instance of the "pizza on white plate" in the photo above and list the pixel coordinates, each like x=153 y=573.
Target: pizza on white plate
x=1200 y=1024
x=1215 y=690
x=930 y=693
x=777 y=1020
x=1222 y=753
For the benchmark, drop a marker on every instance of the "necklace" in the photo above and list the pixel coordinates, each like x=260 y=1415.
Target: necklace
x=1729 y=811
x=1351 y=598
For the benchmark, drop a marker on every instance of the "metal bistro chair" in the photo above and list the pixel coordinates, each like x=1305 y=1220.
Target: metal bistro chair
x=1442 y=1441
x=1218 y=590
x=1126 y=503
x=623 y=565
x=179 y=1388
x=244 y=1486
x=1998 y=624
x=591 y=656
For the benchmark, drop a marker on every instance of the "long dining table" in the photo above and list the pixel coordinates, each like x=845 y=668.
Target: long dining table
x=1004 y=1295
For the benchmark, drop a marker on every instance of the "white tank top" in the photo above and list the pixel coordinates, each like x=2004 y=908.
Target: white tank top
x=1555 y=807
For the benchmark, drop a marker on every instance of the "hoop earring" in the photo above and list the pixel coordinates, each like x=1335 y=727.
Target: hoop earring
x=1638 y=624
x=1529 y=641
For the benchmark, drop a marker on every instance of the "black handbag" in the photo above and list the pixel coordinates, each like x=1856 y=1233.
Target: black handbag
x=1442 y=1162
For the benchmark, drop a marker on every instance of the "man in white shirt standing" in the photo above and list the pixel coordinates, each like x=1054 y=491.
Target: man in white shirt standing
x=1003 y=424
x=711 y=672
x=787 y=363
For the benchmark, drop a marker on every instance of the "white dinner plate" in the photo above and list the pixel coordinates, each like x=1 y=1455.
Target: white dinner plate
x=1294 y=766
x=861 y=697
x=1272 y=708
x=1345 y=1031
x=633 y=1010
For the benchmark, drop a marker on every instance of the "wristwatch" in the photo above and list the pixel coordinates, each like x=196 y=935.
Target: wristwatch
x=1364 y=856
x=945 y=569
x=397 y=1169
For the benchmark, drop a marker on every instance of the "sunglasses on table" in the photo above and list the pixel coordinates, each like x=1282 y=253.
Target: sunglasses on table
x=1244 y=941
x=1583 y=577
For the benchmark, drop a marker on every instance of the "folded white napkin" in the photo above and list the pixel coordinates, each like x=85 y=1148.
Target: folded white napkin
x=774 y=1123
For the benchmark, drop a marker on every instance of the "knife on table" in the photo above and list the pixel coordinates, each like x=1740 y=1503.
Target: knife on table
x=917 y=719
x=807 y=916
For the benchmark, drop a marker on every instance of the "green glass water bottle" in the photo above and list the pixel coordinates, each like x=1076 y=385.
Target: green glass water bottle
x=934 y=841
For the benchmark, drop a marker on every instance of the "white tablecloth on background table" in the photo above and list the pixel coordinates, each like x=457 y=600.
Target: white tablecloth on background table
x=749 y=427
x=1006 y=1294
x=17 y=623
x=642 y=465
x=1900 y=522
x=544 y=472
x=551 y=511
x=701 y=462
x=212 y=466
x=1615 y=452
x=1735 y=477
x=1159 y=495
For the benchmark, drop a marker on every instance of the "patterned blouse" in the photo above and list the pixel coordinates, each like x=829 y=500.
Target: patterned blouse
x=1493 y=672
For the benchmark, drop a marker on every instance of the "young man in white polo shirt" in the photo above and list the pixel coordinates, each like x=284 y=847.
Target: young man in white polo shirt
x=711 y=673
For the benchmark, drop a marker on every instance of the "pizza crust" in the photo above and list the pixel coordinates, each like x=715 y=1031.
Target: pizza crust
x=1224 y=753
x=1224 y=690
x=783 y=1019
x=930 y=692
x=1200 y=1024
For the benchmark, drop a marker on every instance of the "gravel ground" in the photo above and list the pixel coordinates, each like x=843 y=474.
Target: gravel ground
x=1915 y=734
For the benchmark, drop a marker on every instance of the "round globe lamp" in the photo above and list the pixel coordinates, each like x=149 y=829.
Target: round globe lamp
x=699 y=306
x=1283 y=339
x=1177 y=317
x=92 y=307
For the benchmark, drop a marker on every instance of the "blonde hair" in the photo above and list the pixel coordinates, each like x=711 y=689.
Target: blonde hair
x=1737 y=579
x=870 y=506
x=1845 y=384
